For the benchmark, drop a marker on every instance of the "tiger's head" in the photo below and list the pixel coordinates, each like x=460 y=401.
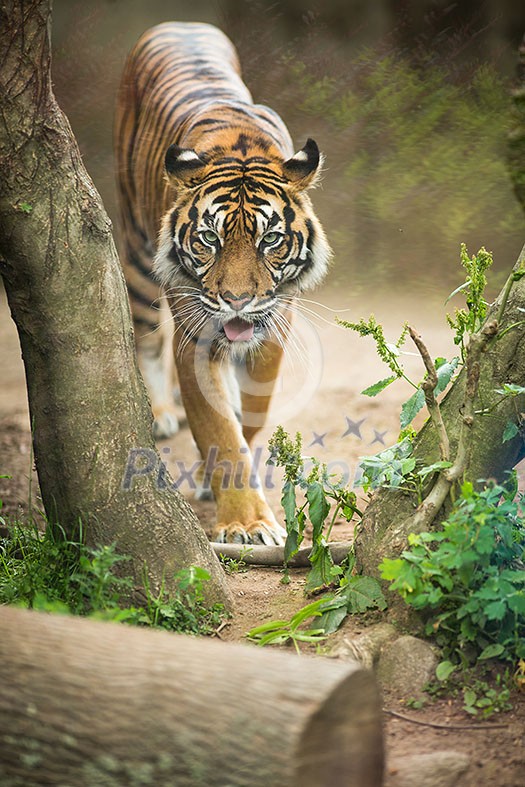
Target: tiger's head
x=240 y=239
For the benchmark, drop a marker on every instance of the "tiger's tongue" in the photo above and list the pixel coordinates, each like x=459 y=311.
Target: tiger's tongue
x=238 y=330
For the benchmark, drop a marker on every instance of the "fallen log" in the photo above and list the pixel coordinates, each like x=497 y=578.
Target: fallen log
x=255 y=555
x=85 y=702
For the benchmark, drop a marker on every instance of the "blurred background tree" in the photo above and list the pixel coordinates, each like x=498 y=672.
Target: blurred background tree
x=409 y=100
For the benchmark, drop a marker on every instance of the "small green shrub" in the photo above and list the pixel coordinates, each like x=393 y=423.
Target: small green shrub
x=232 y=565
x=185 y=610
x=311 y=494
x=482 y=696
x=308 y=494
x=469 y=577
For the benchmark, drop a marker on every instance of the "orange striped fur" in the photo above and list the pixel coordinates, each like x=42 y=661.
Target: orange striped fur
x=215 y=218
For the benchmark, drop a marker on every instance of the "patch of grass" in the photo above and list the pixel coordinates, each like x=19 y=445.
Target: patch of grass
x=50 y=572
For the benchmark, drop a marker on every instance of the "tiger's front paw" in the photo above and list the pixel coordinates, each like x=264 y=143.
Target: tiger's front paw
x=261 y=531
x=165 y=423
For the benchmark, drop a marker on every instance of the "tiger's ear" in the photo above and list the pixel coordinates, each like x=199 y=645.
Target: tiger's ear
x=184 y=166
x=304 y=168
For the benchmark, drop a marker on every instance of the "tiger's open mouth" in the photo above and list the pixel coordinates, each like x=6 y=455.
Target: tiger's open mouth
x=239 y=330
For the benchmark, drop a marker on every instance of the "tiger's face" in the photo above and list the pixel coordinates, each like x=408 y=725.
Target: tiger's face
x=239 y=241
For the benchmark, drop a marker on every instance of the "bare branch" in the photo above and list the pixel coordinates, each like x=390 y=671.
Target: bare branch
x=428 y=385
x=274 y=555
x=427 y=511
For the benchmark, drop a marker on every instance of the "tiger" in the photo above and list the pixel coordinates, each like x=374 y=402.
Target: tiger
x=216 y=224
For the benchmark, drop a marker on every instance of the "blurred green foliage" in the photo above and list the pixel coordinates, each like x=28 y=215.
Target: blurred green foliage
x=421 y=154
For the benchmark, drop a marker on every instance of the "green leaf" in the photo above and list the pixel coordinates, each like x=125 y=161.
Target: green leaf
x=457 y=290
x=289 y=503
x=320 y=575
x=496 y=610
x=376 y=388
x=445 y=372
x=364 y=593
x=293 y=538
x=272 y=625
x=444 y=670
x=516 y=603
x=510 y=431
x=407 y=465
x=434 y=468
x=491 y=651
x=412 y=407
x=273 y=638
x=318 y=508
x=310 y=610
x=391 y=569
x=332 y=618
x=291 y=545
x=511 y=389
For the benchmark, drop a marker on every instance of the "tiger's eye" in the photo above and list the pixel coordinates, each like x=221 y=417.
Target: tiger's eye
x=210 y=237
x=270 y=238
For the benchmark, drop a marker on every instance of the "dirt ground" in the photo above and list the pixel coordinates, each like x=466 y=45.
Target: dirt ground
x=319 y=394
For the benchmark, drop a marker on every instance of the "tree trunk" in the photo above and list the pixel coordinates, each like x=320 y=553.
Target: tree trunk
x=87 y=703
x=66 y=292
x=388 y=518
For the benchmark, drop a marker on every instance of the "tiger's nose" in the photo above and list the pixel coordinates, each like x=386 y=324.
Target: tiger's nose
x=237 y=302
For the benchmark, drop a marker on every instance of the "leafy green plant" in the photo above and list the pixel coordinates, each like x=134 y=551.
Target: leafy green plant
x=282 y=632
x=322 y=499
x=185 y=609
x=354 y=595
x=57 y=574
x=319 y=491
x=36 y=565
x=392 y=468
x=235 y=566
x=481 y=697
x=100 y=589
x=467 y=321
x=396 y=467
x=483 y=700
x=469 y=577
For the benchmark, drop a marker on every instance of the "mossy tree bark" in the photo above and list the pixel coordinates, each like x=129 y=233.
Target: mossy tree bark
x=67 y=296
x=388 y=519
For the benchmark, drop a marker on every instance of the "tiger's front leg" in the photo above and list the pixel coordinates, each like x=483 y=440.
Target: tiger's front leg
x=243 y=515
